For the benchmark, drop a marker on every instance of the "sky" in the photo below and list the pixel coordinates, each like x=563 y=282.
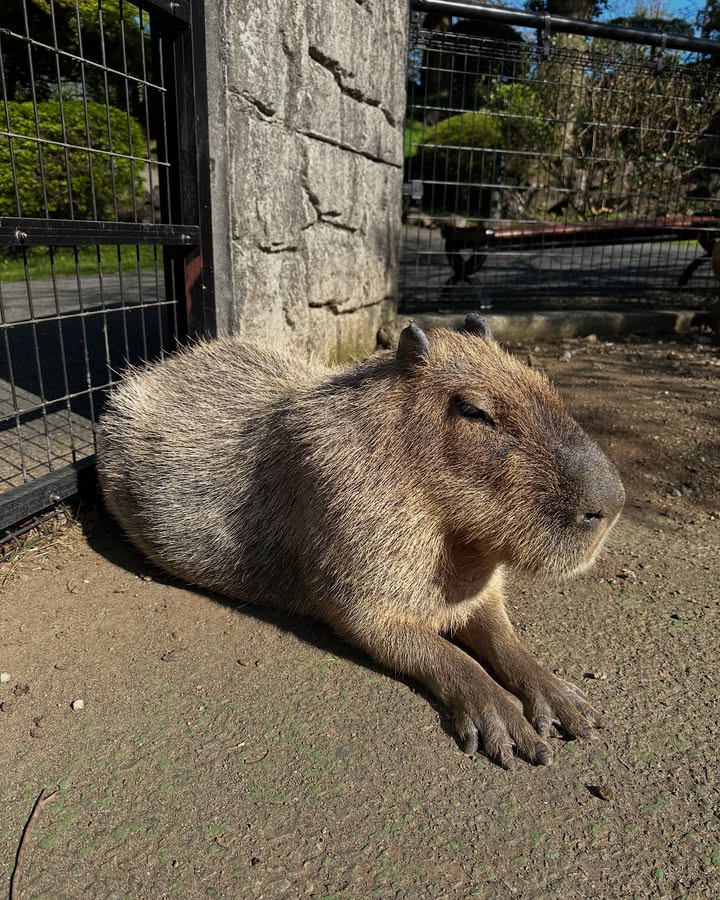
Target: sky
x=688 y=9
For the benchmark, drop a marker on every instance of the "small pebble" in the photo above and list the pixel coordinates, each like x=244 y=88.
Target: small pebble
x=21 y=689
x=36 y=733
x=596 y=676
x=627 y=574
x=602 y=791
x=78 y=704
x=4 y=677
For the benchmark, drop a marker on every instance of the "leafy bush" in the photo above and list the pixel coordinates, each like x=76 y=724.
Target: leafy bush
x=523 y=117
x=90 y=173
x=456 y=159
x=461 y=147
x=462 y=157
x=469 y=129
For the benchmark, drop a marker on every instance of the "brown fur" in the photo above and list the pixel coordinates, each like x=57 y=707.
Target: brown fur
x=364 y=497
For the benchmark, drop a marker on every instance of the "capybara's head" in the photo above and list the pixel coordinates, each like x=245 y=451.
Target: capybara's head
x=503 y=461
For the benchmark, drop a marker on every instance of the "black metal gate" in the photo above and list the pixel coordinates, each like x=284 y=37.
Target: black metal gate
x=553 y=163
x=105 y=245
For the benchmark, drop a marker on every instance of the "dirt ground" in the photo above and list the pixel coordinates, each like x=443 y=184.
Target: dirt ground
x=225 y=752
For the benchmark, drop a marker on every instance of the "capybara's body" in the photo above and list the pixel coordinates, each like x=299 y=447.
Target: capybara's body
x=194 y=466
x=385 y=499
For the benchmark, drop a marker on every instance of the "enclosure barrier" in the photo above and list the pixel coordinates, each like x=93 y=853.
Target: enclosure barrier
x=105 y=251
x=547 y=162
x=551 y=162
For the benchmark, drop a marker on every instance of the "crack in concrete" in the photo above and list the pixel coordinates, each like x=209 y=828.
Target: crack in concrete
x=342 y=146
x=339 y=225
x=312 y=197
x=334 y=305
x=328 y=215
x=265 y=110
x=278 y=248
x=340 y=73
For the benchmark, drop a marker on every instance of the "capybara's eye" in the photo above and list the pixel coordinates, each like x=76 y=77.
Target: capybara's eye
x=470 y=411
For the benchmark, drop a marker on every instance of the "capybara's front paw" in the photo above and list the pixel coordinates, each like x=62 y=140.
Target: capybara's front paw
x=489 y=718
x=549 y=701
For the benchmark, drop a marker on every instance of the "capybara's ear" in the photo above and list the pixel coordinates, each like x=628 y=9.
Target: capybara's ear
x=413 y=346
x=475 y=324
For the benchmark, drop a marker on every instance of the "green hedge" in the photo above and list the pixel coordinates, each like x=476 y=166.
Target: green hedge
x=470 y=129
x=79 y=162
x=514 y=119
x=452 y=146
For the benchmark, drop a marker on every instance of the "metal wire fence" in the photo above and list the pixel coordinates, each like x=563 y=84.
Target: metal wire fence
x=557 y=170
x=96 y=236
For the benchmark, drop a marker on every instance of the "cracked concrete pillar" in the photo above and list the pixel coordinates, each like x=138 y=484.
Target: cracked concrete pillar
x=306 y=117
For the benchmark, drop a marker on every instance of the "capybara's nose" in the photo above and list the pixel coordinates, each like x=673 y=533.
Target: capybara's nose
x=599 y=494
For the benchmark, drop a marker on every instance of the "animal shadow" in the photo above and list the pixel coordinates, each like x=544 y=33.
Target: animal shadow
x=107 y=539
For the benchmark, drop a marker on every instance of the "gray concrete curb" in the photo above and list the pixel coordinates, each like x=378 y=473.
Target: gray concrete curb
x=555 y=325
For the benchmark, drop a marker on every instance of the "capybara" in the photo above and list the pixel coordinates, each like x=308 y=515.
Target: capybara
x=386 y=499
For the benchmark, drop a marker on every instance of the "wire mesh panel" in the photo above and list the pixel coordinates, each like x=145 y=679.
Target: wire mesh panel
x=94 y=233
x=557 y=171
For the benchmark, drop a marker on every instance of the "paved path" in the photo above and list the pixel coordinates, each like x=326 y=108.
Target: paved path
x=40 y=298
x=632 y=274
x=57 y=341
x=35 y=444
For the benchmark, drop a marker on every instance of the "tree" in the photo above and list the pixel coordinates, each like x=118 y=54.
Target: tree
x=575 y=9
x=673 y=25
x=708 y=19
x=437 y=76
x=88 y=30
x=594 y=129
x=653 y=15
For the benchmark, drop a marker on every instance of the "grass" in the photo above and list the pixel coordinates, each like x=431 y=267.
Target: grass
x=12 y=264
x=34 y=542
